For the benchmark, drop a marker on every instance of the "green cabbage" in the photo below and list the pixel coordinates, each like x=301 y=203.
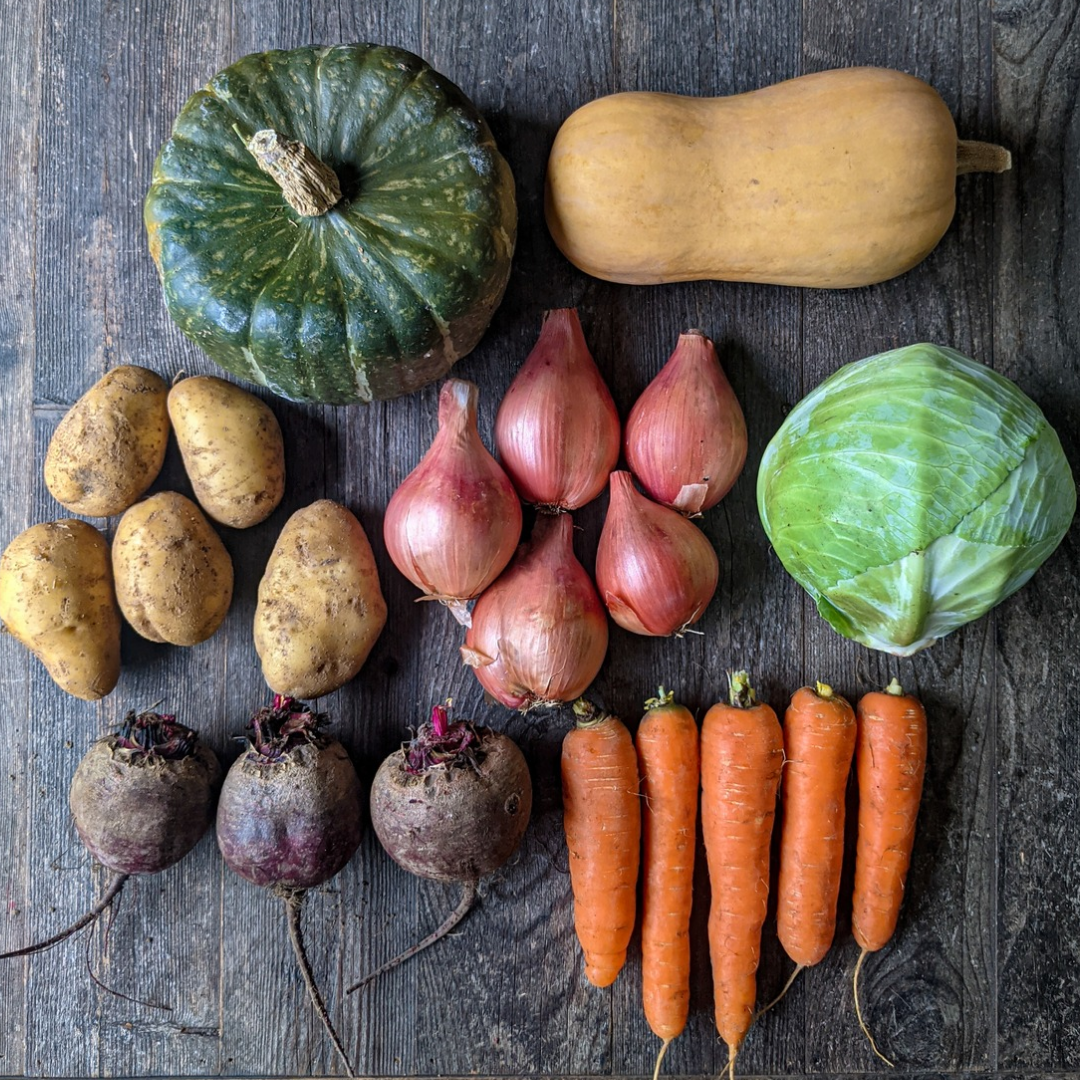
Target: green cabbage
x=911 y=492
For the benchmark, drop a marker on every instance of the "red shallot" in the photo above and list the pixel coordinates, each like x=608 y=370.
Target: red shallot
x=539 y=634
x=557 y=429
x=685 y=437
x=455 y=521
x=655 y=570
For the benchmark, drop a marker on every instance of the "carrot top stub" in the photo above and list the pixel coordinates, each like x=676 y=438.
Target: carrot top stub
x=740 y=693
x=663 y=698
x=587 y=714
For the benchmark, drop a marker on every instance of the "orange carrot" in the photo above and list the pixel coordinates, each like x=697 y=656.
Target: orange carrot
x=890 y=759
x=602 y=819
x=742 y=752
x=819 y=741
x=667 y=748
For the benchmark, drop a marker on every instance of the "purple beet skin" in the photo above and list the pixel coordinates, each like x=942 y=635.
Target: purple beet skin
x=290 y=811
x=289 y=818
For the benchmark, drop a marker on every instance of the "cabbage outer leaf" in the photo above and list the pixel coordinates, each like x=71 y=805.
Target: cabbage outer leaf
x=911 y=492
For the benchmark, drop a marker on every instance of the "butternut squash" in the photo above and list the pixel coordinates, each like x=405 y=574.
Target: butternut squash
x=833 y=180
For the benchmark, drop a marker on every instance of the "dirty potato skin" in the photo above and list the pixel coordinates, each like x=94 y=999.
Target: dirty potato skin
x=457 y=823
x=232 y=449
x=174 y=578
x=140 y=814
x=57 y=599
x=110 y=445
x=320 y=608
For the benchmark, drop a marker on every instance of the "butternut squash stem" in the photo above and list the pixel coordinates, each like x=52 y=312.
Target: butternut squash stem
x=973 y=156
x=308 y=185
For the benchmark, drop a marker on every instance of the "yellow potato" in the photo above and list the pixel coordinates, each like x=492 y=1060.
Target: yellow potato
x=110 y=445
x=174 y=578
x=320 y=607
x=232 y=449
x=56 y=597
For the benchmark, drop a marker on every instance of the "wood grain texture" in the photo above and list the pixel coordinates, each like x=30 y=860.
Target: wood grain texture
x=19 y=131
x=721 y=49
x=981 y=976
x=1037 y=343
x=932 y=1008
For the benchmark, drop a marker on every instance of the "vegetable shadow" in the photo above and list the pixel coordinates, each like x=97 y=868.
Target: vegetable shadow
x=540 y=276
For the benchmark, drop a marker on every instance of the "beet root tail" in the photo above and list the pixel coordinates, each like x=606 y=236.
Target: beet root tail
x=112 y=891
x=465 y=905
x=294 y=900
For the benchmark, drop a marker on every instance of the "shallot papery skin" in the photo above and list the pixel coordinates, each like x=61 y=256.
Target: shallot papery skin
x=540 y=633
x=557 y=429
x=655 y=569
x=685 y=437
x=454 y=523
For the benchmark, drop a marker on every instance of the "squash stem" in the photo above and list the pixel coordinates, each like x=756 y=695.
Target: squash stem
x=309 y=186
x=973 y=156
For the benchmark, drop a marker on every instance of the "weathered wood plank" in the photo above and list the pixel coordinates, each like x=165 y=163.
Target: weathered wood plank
x=930 y=994
x=20 y=113
x=62 y=881
x=74 y=349
x=476 y=997
x=1037 y=336
x=709 y=49
x=177 y=963
x=145 y=79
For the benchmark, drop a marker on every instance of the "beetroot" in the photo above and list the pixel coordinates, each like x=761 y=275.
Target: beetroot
x=141 y=798
x=450 y=805
x=289 y=817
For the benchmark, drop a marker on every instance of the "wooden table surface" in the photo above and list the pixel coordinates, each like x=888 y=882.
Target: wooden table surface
x=983 y=974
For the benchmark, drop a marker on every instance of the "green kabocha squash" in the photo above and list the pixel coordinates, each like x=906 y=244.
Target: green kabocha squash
x=334 y=223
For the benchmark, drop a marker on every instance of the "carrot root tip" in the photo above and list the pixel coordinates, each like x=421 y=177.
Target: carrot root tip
x=733 y=1053
x=858 y=1010
x=779 y=997
x=660 y=1058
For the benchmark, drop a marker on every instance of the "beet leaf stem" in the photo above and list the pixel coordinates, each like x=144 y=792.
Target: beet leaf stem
x=294 y=901
x=439 y=720
x=112 y=891
x=468 y=898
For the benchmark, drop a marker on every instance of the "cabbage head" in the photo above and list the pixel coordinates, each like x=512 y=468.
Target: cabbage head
x=911 y=492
